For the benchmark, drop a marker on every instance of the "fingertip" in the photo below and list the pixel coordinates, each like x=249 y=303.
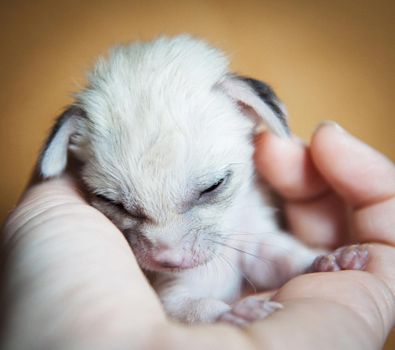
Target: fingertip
x=330 y=124
x=357 y=171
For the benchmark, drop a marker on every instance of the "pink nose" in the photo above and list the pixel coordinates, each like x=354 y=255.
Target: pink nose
x=167 y=258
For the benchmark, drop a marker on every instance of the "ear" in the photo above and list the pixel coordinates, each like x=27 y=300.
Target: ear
x=53 y=159
x=257 y=100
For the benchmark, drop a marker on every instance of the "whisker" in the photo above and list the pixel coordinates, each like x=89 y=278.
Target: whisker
x=262 y=207
x=230 y=237
x=263 y=244
x=226 y=259
x=238 y=232
x=237 y=163
x=216 y=265
x=240 y=250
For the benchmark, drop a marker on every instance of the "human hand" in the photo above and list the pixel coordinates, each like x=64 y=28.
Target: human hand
x=337 y=191
x=72 y=282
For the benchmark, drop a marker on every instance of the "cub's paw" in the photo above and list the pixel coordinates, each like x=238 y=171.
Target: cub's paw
x=249 y=310
x=352 y=257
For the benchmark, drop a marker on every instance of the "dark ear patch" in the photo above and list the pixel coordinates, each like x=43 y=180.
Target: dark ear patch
x=53 y=158
x=258 y=102
x=266 y=93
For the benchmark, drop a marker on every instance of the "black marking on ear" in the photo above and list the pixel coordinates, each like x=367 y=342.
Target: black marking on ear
x=266 y=93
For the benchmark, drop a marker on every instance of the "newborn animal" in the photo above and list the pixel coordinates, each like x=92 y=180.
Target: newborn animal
x=164 y=131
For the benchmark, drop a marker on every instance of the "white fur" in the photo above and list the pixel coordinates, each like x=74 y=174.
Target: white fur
x=56 y=158
x=162 y=124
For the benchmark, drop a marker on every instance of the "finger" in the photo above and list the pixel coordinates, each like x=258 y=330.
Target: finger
x=314 y=213
x=320 y=223
x=363 y=177
x=358 y=172
x=376 y=223
x=287 y=166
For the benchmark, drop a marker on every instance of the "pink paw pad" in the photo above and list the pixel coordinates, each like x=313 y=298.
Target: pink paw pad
x=353 y=257
x=249 y=310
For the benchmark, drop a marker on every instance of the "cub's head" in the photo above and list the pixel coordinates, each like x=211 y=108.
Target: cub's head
x=163 y=131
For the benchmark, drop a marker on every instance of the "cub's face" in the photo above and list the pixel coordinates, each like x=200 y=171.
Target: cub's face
x=168 y=184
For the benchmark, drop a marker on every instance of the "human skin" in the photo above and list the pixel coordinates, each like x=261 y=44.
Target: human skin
x=70 y=280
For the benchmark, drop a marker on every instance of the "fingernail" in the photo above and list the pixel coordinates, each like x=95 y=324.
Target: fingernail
x=332 y=124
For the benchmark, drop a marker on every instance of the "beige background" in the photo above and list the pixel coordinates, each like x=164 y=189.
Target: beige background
x=326 y=60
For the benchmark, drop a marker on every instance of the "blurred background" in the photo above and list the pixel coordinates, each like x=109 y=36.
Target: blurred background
x=326 y=60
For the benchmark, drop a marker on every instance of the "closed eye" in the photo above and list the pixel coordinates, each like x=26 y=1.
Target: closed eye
x=137 y=214
x=112 y=202
x=215 y=186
